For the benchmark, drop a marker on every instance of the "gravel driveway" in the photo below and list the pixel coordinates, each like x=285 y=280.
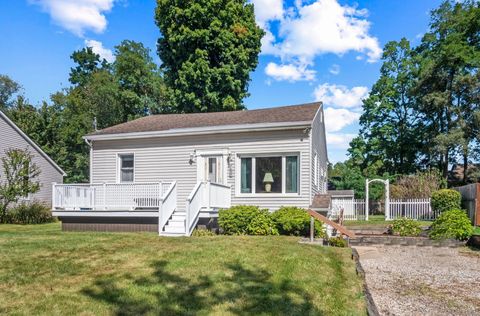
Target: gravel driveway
x=422 y=280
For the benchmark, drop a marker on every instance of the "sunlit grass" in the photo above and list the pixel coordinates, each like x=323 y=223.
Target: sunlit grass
x=46 y=271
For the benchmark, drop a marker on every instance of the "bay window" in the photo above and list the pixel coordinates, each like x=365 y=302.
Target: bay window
x=269 y=174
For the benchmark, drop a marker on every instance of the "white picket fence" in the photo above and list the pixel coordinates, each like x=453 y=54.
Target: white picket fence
x=418 y=209
x=353 y=210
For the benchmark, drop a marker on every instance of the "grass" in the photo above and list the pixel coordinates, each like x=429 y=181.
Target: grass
x=378 y=220
x=476 y=230
x=46 y=271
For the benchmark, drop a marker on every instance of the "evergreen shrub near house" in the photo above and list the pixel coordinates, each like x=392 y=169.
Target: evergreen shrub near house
x=291 y=220
x=246 y=220
x=30 y=213
x=337 y=241
x=446 y=199
x=453 y=224
x=406 y=227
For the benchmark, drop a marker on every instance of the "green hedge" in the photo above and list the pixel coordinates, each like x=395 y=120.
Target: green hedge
x=453 y=224
x=406 y=227
x=30 y=213
x=291 y=220
x=445 y=200
x=246 y=220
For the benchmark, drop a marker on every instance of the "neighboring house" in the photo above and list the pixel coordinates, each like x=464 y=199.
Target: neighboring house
x=167 y=172
x=12 y=137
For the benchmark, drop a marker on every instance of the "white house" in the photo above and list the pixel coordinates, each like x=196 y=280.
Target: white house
x=168 y=172
x=11 y=137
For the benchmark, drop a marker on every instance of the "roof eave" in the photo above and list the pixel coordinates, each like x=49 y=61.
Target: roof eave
x=203 y=130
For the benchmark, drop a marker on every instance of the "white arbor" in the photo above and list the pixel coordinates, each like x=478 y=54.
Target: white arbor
x=387 y=196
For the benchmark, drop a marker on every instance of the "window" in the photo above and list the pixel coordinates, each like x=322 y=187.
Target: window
x=269 y=174
x=126 y=168
x=315 y=169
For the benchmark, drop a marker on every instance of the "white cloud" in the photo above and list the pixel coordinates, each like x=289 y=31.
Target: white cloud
x=334 y=69
x=339 y=140
x=340 y=96
x=305 y=30
x=77 y=16
x=98 y=48
x=337 y=119
x=289 y=72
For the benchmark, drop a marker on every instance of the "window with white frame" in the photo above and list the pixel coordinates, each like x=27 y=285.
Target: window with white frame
x=268 y=174
x=315 y=169
x=126 y=167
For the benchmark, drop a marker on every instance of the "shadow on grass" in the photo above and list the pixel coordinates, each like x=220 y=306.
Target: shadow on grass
x=240 y=291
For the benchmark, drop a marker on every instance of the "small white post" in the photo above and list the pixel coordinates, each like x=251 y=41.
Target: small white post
x=53 y=195
x=104 y=196
x=387 y=200
x=208 y=195
x=366 y=200
x=312 y=229
x=160 y=206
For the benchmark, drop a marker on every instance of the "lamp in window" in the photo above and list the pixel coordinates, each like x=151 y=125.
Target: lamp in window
x=268 y=180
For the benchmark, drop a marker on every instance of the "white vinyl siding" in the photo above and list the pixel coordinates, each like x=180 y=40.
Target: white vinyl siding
x=319 y=159
x=167 y=159
x=10 y=138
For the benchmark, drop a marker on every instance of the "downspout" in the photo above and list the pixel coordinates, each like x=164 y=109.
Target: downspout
x=89 y=143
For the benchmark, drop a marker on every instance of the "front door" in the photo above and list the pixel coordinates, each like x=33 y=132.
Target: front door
x=212 y=169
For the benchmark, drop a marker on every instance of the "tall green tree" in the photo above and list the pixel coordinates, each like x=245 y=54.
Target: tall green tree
x=449 y=59
x=87 y=62
x=208 y=49
x=390 y=131
x=141 y=86
x=8 y=88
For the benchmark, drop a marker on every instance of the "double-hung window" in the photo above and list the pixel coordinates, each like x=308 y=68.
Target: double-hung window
x=126 y=170
x=269 y=174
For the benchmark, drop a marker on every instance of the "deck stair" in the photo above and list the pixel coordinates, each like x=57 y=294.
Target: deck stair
x=175 y=225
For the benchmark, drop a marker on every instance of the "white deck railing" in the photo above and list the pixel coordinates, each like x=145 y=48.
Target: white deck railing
x=168 y=206
x=108 y=196
x=205 y=196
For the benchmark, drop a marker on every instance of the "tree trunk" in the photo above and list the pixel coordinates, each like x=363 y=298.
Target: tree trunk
x=465 y=168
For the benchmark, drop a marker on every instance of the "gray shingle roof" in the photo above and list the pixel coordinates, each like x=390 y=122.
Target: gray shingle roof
x=164 y=122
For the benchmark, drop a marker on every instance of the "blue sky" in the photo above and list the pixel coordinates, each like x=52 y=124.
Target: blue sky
x=327 y=50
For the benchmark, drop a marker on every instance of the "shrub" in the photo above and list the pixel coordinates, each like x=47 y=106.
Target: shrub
x=295 y=221
x=202 y=232
x=451 y=224
x=406 y=227
x=246 y=219
x=338 y=241
x=30 y=213
x=445 y=200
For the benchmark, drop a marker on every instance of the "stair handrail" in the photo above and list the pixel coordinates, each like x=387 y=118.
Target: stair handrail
x=339 y=228
x=168 y=204
x=192 y=215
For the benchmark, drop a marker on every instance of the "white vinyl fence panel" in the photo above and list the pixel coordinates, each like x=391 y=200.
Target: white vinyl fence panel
x=419 y=209
x=352 y=209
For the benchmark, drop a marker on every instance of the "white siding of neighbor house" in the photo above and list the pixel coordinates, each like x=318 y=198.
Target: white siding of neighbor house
x=319 y=147
x=11 y=138
x=167 y=158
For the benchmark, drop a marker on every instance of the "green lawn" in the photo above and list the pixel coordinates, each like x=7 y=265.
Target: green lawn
x=46 y=271
x=378 y=220
x=476 y=230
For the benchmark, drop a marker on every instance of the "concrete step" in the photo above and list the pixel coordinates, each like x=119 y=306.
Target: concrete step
x=174 y=229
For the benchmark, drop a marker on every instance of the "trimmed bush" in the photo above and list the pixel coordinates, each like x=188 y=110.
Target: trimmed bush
x=337 y=242
x=246 y=220
x=295 y=221
x=30 y=213
x=453 y=224
x=406 y=227
x=445 y=200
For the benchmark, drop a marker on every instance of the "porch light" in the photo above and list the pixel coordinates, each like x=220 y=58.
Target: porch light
x=192 y=157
